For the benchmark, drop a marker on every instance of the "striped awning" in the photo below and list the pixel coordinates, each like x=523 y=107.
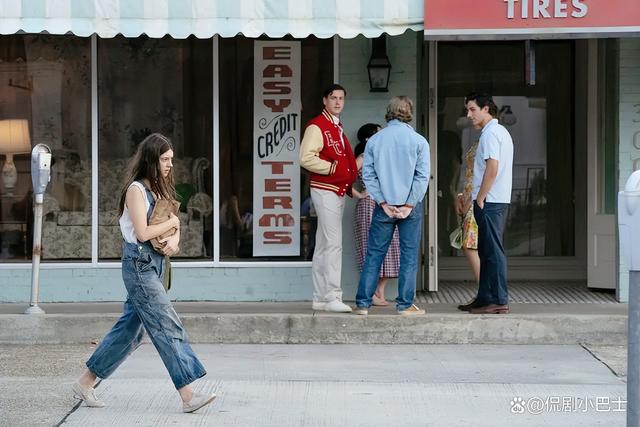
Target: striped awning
x=205 y=18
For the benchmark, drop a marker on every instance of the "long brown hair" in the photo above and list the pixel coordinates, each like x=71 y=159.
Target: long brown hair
x=145 y=164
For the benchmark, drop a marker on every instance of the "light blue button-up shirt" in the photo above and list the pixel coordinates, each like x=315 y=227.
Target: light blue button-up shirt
x=495 y=143
x=397 y=167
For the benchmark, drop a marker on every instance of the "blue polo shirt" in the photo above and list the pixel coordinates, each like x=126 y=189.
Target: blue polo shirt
x=495 y=143
x=396 y=165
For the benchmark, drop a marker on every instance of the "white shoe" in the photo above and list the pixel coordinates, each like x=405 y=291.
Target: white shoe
x=318 y=306
x=362 y=311
x=337 y=306
x=197 y=401
x=87 y=395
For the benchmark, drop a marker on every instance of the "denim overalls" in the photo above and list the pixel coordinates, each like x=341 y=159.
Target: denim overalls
x=147 y=308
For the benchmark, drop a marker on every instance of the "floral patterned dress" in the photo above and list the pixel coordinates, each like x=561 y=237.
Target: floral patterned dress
x=469 y=225
x=364 y=213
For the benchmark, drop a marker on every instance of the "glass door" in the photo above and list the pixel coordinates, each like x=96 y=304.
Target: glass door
x=532 y=85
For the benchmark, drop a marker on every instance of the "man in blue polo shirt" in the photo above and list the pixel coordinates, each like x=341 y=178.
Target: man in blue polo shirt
x=491 y=194
x=396 y=173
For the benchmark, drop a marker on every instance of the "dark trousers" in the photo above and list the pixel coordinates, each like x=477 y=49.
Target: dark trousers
x=491 y=221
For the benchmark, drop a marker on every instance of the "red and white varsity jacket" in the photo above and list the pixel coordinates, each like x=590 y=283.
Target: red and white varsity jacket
x=326 y=153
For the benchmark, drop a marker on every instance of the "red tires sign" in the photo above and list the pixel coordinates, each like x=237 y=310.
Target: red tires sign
x=473 y=17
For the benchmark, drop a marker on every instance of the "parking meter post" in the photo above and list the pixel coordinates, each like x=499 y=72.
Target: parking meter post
x=629 y=232
x=37 y=250
x=633 y=351
x=40 y=176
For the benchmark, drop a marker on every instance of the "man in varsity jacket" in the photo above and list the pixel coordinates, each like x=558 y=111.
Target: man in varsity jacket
x=325 y=152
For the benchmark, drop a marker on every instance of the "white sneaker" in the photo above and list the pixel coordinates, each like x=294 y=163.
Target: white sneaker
x=337 y=306
x=87 y=395
x=318 y=306
x=197 y=401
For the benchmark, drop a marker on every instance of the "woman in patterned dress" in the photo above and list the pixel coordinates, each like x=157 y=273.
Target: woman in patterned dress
x=464 y=208
x=364 y=213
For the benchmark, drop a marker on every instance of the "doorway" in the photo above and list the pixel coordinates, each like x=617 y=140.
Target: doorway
x=535 y=88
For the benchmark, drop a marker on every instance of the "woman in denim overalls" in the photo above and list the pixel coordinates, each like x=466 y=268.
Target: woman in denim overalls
x=147 y=306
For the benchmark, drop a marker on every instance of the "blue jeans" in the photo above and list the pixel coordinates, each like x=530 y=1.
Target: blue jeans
x=491 y=220
x=380 y=235
x=147 y=308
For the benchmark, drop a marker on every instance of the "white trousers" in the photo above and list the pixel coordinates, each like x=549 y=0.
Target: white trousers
x=327 y=256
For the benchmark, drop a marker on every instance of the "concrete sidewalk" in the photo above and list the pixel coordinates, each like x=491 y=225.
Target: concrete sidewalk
x=327 y=385
x=282 y=323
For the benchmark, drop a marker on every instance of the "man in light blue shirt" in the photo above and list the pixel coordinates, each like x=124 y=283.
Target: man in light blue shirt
x=491 y=194
x=495 y=144
x=396 y=173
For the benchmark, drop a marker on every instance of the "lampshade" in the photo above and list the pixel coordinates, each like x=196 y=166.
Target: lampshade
x=14 y=136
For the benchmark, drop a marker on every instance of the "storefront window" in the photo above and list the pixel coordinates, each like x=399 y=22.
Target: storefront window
x=45 y=97
x=539 y=116
x=237 y=113
x=157 y=85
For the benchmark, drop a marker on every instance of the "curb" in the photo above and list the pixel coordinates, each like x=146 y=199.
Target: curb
x=284 y=328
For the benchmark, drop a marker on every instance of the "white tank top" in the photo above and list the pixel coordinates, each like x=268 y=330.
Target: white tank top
x=126 y=225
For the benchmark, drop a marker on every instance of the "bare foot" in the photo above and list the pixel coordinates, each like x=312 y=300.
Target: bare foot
x=379 y=301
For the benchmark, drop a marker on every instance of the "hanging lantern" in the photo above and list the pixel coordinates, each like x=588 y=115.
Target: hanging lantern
x=379 y=67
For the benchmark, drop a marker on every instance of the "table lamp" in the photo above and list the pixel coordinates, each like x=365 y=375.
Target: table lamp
x=14 y=139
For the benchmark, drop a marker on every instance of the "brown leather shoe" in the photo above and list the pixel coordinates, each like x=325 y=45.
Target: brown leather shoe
x=491 y=309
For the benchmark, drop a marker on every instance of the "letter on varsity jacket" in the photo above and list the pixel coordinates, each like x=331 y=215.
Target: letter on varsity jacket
x=310 y=148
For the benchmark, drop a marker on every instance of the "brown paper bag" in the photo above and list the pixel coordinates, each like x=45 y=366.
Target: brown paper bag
x=162 y=212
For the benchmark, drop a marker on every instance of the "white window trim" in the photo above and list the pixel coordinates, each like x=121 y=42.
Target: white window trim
x=215 y=176
x=336 y=59
x=55 y=265
x=264 y=264
x=94 y=151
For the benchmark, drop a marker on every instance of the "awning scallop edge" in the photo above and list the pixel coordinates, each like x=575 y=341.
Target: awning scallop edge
x=206 y=18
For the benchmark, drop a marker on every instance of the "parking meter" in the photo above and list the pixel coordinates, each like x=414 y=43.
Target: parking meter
x=629 y=221
x=629 y=232
x=40 y=169
x=40 y=177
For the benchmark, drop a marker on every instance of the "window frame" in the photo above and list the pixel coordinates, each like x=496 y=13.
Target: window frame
x=215 y=260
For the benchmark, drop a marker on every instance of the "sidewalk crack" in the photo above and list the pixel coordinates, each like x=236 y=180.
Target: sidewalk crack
x=600 y=360
x=75 y=408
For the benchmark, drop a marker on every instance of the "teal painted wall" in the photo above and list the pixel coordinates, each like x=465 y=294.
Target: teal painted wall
x=189 y=284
